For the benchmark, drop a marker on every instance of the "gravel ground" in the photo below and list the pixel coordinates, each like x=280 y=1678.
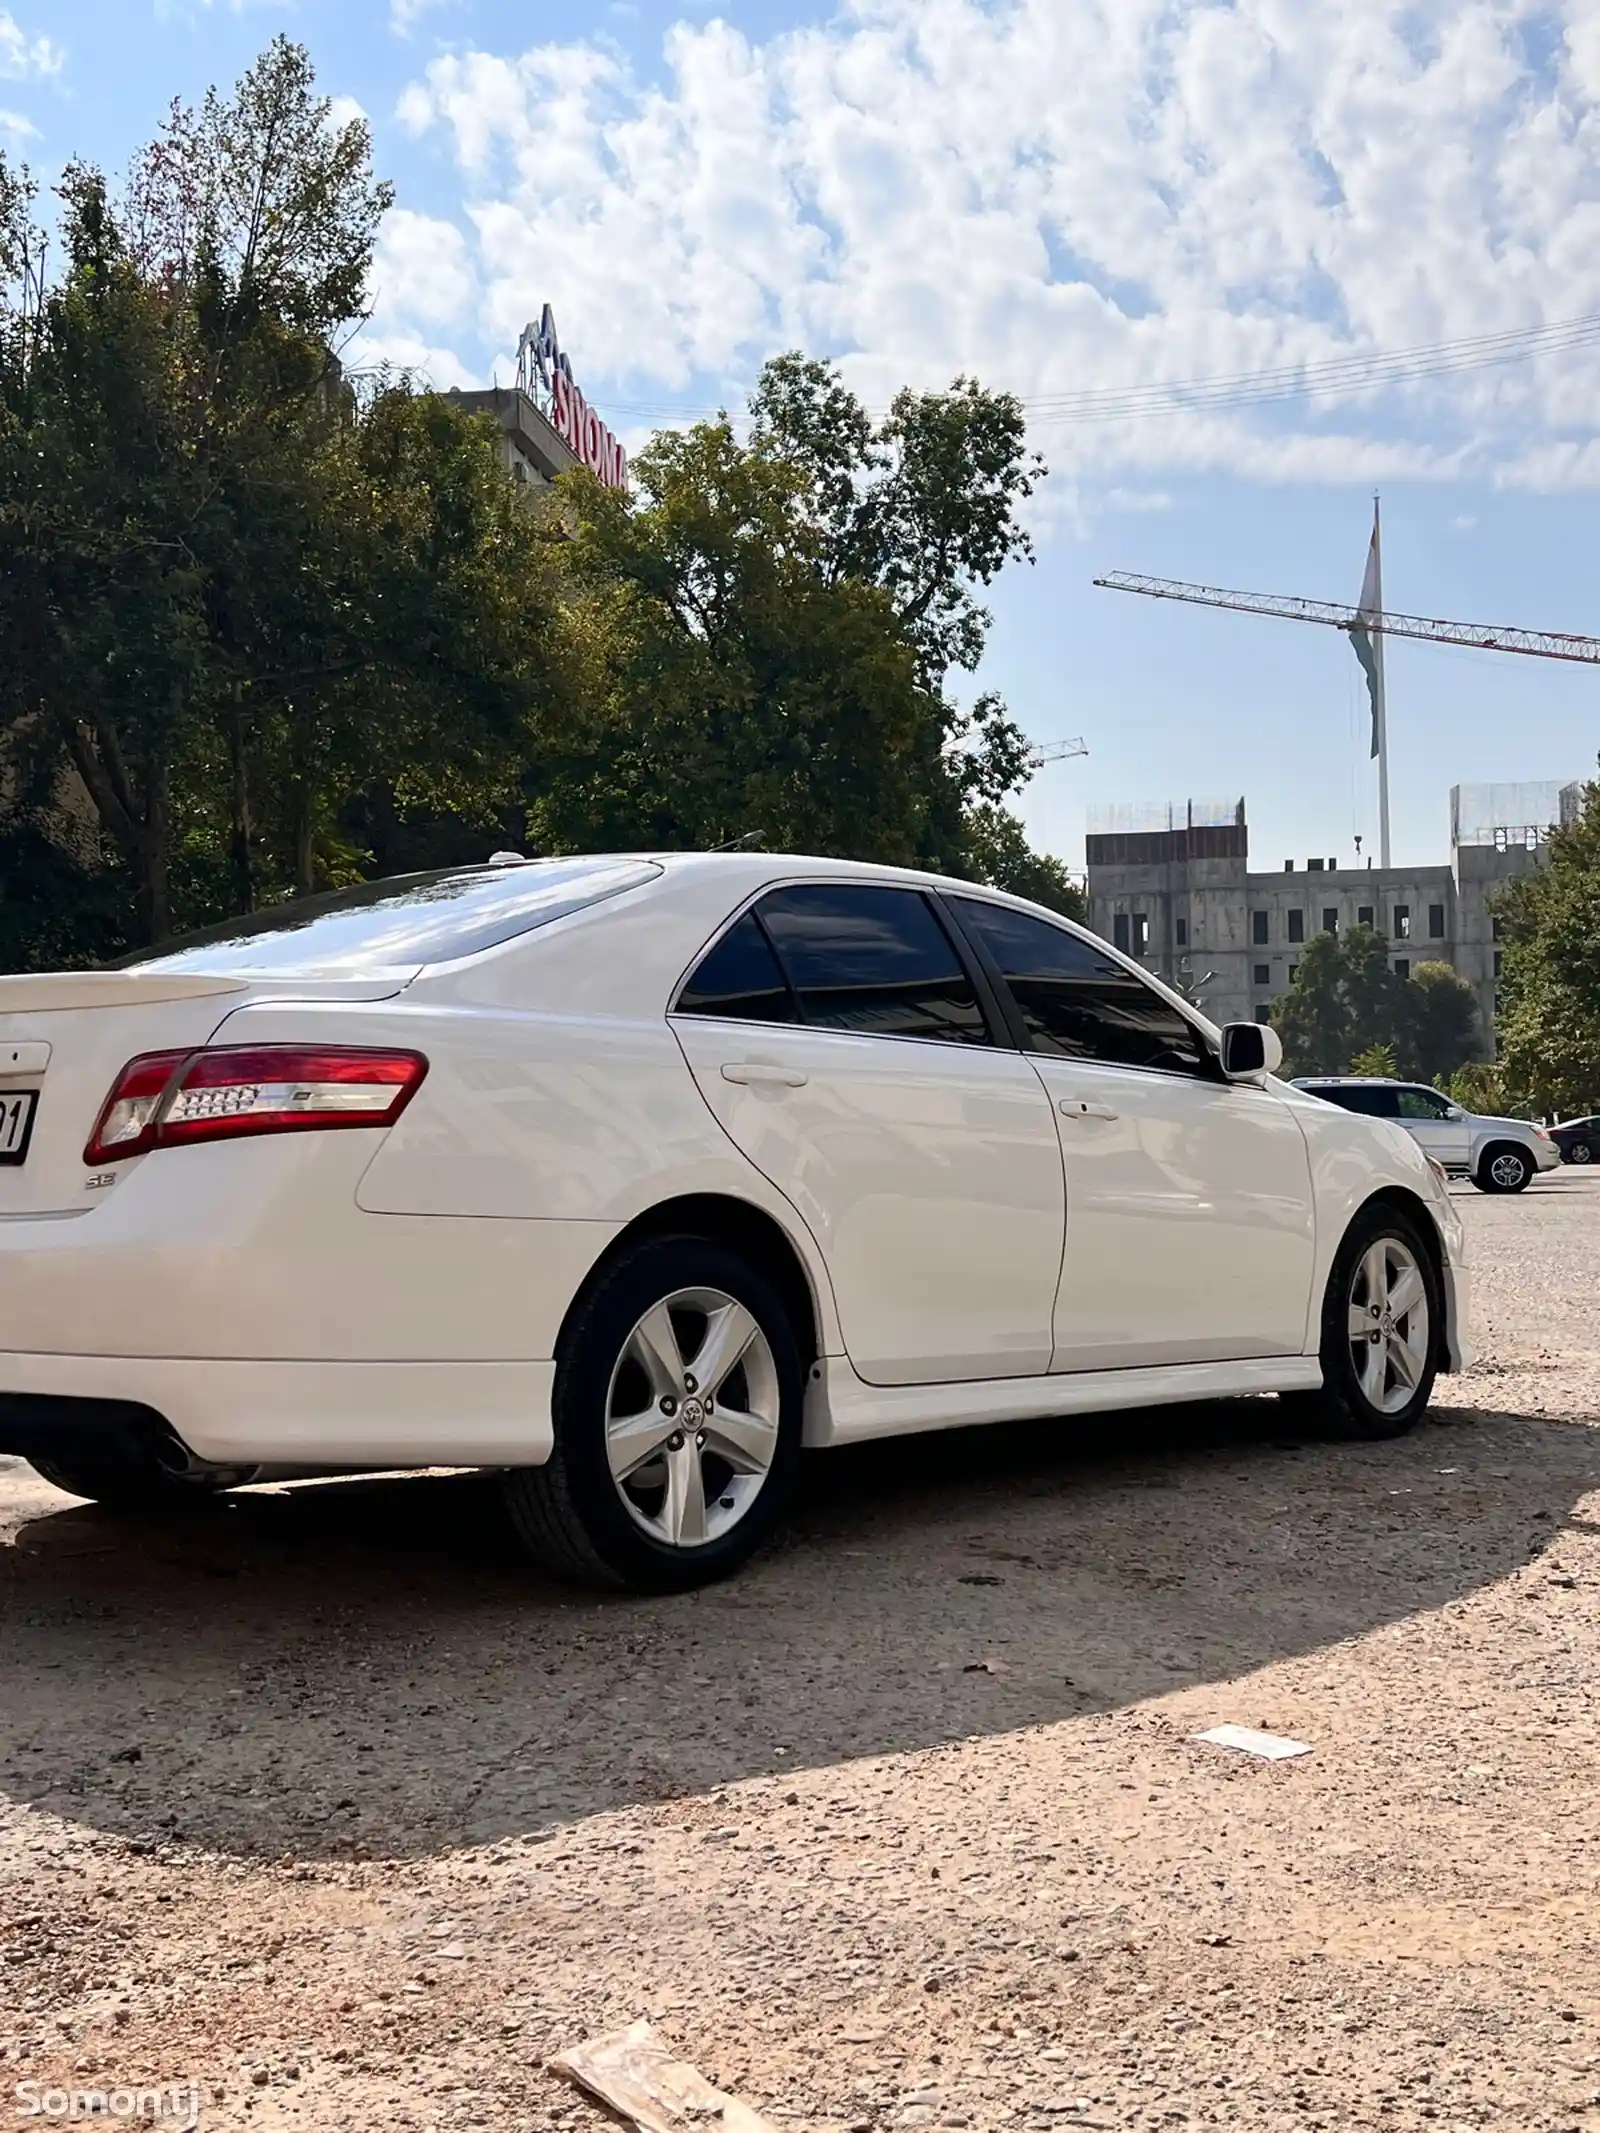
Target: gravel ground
x=321 y=1802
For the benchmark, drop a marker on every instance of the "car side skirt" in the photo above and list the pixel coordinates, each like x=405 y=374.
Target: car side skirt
x=841 y=1408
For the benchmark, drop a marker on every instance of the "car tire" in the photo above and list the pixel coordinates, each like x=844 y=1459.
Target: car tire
x=1504 y=1167
x=136 y=1486
x=1580 y=1152
x=664 y=1477
x=1360 y=1399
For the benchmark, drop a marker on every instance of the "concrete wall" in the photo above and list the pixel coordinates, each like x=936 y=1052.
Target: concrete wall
x=1199 y=919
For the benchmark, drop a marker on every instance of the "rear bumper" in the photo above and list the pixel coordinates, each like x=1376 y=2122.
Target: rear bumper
x=279 y=1413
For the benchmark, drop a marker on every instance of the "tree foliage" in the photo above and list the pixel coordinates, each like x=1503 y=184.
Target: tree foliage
x=1347 y=1004
x=1549 y=1019
x=262 y=632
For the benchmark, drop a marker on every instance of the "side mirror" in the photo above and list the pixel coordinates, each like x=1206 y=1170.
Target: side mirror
x=1249 y=1049
x=1455 y=1112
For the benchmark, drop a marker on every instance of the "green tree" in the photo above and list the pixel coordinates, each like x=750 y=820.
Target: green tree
x=763 y=632
x=1345 y=1001
x=1441 y=1031
x=1312 y=1016
x=1377 y=1059
x=1549 y=1019
x=1478 y=1086
x=234 y=595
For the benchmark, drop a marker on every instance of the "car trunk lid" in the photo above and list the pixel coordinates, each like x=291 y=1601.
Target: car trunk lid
x=65 y=1036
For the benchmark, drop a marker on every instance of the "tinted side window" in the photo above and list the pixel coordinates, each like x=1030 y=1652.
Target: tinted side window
x=1076 y=1001
x=739 y=979
x=873 y=960
x=1371 y=1103
x=1421 y=1103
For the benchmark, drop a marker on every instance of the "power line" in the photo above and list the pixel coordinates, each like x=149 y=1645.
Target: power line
x=1229 y=391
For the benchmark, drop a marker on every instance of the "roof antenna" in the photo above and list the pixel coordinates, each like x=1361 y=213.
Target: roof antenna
x=737 y=844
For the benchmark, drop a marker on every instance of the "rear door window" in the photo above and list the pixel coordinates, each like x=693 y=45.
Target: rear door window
x=1076 y=1000
x=873 y=960
x=739 y=979
x=1371 y=1103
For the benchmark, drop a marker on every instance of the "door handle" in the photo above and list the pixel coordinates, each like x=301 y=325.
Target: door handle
x=754 y=1074
x=1084 y=1107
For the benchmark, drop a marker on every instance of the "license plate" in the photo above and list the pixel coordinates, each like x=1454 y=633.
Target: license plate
x=16 y=1124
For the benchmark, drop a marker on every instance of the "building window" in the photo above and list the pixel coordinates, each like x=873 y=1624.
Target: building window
x=1293 y=967
x=1263 y=973
x=1497 y=962
x=1402 y=968
x=1330 y=921
x=1402 y=922
x=1258 y=928
x=1141 y=933
x=1436 y=922
x=1364 y=915
x=1297 y=925
x=1119 y=931
x=1180 y=932
x=1496 y=926
x=1263 y=1014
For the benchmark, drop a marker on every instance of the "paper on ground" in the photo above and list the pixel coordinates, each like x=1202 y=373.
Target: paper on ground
x=633 y=2071
x=1272 y=1746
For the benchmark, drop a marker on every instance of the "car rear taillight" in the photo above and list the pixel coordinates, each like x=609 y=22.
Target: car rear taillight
x=167 y=1099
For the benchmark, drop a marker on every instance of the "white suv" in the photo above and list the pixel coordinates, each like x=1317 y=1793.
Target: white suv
x=1498 y=1154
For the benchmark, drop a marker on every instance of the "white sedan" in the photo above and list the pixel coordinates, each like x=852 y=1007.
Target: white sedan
x=632 y=1176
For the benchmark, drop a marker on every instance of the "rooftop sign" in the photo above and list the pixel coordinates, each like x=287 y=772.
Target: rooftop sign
x=544 y=373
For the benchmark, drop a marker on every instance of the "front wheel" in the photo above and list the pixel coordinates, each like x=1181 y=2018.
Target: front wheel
x=677 y=1413
x=1505 y=1168
x=1382 y=1317
x=1580 y=1152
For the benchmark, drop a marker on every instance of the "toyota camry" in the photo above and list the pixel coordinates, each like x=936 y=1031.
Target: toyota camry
x=633 y=1176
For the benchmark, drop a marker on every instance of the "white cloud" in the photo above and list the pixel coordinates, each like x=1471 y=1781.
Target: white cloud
x=18 y=129
x=1065 y=195
x=422 y=271
x=436 y=369
x=343 y=109
x=404 y=15
x=25 y=58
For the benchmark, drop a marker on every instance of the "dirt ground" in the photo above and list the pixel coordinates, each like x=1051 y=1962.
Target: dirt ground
x=322 y=1802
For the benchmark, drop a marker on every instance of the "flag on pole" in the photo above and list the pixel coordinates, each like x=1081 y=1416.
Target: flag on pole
x=1370 y=608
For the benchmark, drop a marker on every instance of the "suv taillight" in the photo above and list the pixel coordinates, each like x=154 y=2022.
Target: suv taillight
x=167 y=1099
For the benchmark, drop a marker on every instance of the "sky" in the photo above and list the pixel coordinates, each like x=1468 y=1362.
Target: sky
x=1057 y=196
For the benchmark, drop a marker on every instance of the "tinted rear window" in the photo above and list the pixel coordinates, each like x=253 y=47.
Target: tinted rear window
x=409 y=919
x=739 y=980
x=872 y=960
x=1372 y=1103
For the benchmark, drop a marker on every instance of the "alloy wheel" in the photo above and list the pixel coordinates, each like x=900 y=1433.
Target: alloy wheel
x=1581 y=1153
x=692 y=1417
x=1508 y=1171
x=1388 y=1324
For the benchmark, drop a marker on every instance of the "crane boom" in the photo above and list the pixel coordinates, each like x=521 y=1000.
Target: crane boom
x=1483 y=637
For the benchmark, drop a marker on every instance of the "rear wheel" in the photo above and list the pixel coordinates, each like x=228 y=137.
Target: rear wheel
x=1504 y=1168
x=1382 y=1316
x=1580 y=1152
x=677 y=1423
x=142 y=1485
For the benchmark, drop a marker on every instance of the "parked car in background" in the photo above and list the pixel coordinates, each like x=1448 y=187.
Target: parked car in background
x=632 y=1175
x=1578 y=1139
x=1497 y=1154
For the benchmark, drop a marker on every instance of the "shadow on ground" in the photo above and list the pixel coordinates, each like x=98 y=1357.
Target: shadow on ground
x=369 y=1665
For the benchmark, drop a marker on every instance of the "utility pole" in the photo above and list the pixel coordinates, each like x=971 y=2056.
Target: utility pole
x=1380 y=706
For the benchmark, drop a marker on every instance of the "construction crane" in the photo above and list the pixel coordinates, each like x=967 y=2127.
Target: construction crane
x=1042 y=752
x=1376 y=622
x=1480 y=636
